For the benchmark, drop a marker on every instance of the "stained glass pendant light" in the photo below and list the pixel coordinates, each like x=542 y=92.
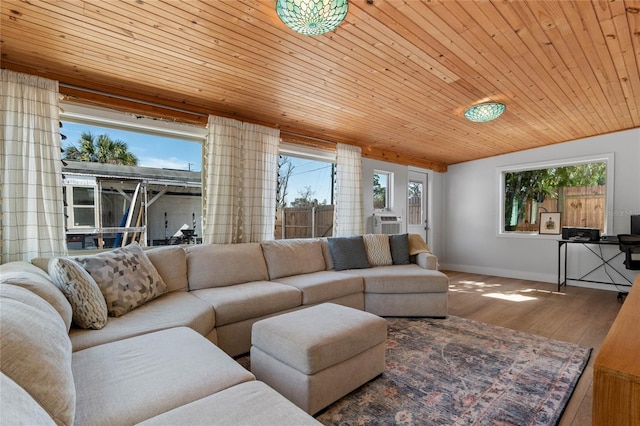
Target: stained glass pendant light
x=485 y=112
x=312 y=17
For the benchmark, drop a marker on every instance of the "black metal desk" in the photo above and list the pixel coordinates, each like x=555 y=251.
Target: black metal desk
x=604 y=260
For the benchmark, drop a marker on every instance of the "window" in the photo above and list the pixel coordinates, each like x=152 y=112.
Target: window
x=82 y=211
x=305 y=193
x=382 y=184
x=109 y=155
x=577 y=189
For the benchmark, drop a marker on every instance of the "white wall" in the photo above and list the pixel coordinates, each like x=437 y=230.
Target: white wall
x=435 y=197
x=472 y=212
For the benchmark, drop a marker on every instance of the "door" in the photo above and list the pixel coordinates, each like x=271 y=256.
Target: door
x=417 y=204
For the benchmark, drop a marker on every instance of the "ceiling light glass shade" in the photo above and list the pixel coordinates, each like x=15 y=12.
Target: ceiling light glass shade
x=485 y=112
x=312 y=17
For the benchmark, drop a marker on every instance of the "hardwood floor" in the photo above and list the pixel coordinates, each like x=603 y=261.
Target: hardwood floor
x=576 y=314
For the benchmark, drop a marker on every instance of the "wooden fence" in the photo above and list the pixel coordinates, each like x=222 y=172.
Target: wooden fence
x=414 y=212
x=581 y=206
x=312 y=222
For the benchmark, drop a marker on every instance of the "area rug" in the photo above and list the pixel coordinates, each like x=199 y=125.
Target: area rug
x=456 y=371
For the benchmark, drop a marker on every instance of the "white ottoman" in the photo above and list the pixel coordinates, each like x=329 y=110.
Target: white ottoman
x=317 y=355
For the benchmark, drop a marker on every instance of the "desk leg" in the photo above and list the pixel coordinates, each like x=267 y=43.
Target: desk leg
x=561 y=281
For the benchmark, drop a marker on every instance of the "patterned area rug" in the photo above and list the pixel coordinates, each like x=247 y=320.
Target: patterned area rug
x=461 y=372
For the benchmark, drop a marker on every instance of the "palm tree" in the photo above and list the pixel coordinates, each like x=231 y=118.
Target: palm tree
x=102 y=149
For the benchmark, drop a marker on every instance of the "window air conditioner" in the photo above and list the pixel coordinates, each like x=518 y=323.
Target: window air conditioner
x=387 y=223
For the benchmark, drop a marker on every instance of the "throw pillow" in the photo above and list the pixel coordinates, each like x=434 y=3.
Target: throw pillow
x=87 y=302
x=348 y=253
x=399 y=249
x=377 y=248
x=126 y=277
x=417 y=245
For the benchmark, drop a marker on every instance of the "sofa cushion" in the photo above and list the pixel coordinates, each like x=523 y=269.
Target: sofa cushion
x=36 y=351
x=218 y=265
x=249 y=300
x=84 y=295
x=348 y=253
x=377 y=248
x=323 y=286
x=17 y=407
x=174 y=309
x=402 y=279
x=292 y=257
x=36 y=280
x=128 y=381
x=249 y=403
x=126 y=277
x=171 y=264
x=399 y=245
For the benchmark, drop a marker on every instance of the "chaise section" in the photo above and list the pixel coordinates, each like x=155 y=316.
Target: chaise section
x=176 y=309
x=249 y=403
x=404 y=290
x=131 y=380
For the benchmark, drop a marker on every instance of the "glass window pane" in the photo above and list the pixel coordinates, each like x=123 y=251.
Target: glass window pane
x=577 y=192
x=84 y=216
x=414 y=215
x=83 y=196
x=381 y=193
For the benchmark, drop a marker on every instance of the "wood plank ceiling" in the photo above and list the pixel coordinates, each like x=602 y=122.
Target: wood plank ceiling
x=394 y=78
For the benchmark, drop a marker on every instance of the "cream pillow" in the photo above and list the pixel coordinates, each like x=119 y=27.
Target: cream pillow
x=378 y=249
x=126 y=278
x=87 y=302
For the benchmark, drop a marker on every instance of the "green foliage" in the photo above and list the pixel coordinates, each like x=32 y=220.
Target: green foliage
x=100 y=149
x=379 y=192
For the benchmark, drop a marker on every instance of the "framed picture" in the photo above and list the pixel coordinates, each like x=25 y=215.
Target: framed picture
x=550 y=223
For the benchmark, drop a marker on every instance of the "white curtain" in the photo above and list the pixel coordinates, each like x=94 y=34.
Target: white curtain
x=349 y=206
x=32 y=221
x=240 y=169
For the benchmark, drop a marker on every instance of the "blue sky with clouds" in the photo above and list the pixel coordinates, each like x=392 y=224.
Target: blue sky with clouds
x=170 y=153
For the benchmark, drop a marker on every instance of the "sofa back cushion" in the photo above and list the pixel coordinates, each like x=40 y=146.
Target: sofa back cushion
x=220 y=265
x=36 y=351
x=171 y=264
x=34 y=279
x=17 y=407
x=293 y=257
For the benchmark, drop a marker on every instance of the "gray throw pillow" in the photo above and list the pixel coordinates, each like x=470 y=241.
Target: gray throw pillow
x=399 y=249
x=348 y=253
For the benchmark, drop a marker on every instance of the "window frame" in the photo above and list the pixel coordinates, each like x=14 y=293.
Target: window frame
x=607 y=158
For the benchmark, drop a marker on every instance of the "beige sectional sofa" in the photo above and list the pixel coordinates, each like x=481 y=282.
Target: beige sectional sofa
x=156 y=363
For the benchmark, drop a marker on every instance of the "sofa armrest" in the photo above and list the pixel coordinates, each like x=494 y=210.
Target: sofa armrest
x=427 y=261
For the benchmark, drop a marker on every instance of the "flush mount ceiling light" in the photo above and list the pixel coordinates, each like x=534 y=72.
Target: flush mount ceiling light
x=312 y=17
x=485 y=112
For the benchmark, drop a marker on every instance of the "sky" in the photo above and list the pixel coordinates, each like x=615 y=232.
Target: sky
x=171 y=153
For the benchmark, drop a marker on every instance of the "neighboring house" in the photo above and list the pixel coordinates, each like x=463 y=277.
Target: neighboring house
x=164 y=201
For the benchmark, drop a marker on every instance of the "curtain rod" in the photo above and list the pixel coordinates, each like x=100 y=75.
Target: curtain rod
x=126 y=98
x=186 y=111
x=298 y=135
